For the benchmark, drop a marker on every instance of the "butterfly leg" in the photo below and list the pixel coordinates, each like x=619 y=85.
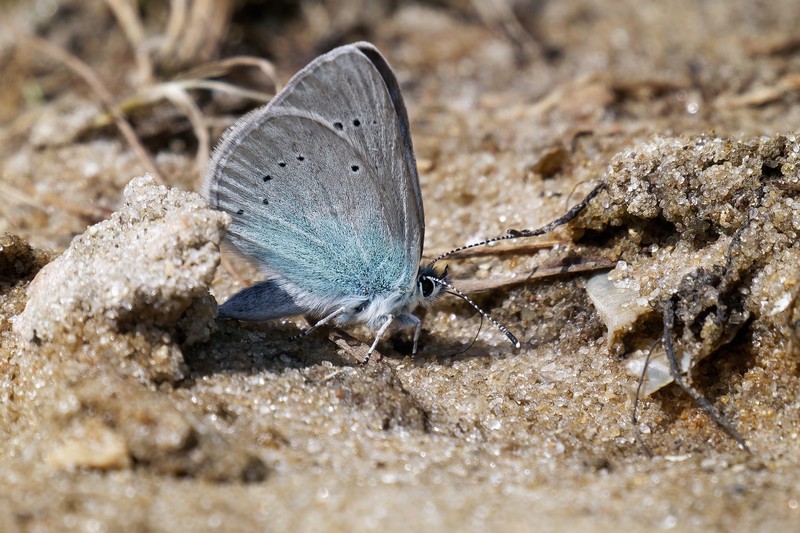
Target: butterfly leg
x=321 y=322
x=417 y=329
x=378 y=335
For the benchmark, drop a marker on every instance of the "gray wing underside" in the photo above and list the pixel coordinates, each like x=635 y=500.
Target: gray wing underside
x=322 y=182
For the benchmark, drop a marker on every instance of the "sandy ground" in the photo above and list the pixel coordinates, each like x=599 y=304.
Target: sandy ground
x=127 y=406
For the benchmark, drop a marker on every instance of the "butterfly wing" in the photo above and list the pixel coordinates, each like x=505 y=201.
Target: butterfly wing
x=322 y=183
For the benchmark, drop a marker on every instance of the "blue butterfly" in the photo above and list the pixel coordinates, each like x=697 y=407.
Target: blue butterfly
x=323 y=189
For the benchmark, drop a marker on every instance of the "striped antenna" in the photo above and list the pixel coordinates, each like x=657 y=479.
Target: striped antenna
x=483 y=313
x=519 y=234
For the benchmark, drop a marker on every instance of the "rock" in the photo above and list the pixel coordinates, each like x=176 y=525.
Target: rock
x=91 y=445
x=134 y=286
x=17 y=258
x=714 y=223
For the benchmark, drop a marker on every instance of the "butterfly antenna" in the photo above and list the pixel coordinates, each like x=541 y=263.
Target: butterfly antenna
x=474 y=339
x=483 y=313
x=519 y=234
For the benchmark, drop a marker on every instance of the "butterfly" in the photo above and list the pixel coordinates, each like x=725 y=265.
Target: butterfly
x=323 y=190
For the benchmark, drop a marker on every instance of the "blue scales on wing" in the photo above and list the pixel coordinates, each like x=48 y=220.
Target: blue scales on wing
x=323 y=190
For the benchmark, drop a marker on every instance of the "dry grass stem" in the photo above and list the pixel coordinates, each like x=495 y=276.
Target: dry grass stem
x=99 y=89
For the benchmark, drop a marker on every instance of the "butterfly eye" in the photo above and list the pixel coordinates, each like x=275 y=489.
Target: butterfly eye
x=426 y=286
